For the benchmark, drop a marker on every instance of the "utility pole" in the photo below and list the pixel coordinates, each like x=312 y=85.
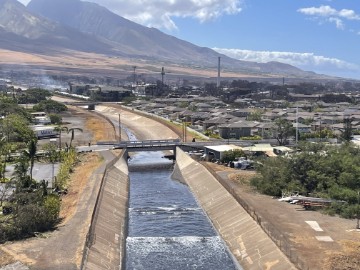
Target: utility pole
x=162 y=76
x=218 y=76
x=320 y=130
x=357 y=214
x=134 y=67
x=297 y=126
x=119 y=128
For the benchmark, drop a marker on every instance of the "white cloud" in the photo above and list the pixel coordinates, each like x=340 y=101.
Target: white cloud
x=349 y=14
x=331 y=15
x=159 y=13
x=25 y=2
x=338 y=22
x=323 y=11
x=327 y=11
x=306 y=61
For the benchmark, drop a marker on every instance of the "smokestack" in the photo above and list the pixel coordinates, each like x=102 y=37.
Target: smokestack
x=218 y=77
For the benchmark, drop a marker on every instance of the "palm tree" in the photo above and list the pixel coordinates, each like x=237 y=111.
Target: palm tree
x=72 y=130
x=30 y=153
x=59 y=129
x=52 y=155
x=3 y=151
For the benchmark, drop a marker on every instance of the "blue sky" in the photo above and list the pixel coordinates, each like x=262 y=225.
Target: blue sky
x=317 y=35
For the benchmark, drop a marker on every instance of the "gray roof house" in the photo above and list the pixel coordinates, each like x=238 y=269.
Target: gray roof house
x=236 y=130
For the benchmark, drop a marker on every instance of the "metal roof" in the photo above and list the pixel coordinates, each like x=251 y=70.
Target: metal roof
x=224 y=147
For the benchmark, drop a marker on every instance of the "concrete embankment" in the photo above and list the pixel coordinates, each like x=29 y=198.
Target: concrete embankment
x=105 y=248
x=249 y=244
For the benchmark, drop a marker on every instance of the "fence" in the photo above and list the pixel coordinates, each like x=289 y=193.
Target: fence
x=91 y=236
x=278 y=238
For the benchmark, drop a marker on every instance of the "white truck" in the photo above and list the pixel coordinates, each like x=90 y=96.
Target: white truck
x=43 y=132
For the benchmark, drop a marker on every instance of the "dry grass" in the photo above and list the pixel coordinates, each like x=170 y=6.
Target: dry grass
x=5 y=258
x=242 y=177
x=346 y=260
x=101 y=129
x=78 y=179
x=99 y=64
x=219 y=168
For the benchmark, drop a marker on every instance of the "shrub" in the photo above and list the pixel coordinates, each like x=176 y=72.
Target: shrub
x=254 y=138
x=69 y=160
x=55 y=119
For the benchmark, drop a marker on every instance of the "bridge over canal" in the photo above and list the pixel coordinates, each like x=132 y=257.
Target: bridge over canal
x=161 y=145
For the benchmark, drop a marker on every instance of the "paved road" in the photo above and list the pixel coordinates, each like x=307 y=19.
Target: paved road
x=41 y=171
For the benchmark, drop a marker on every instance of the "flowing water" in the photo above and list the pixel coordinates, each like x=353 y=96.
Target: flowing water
x=167 y=228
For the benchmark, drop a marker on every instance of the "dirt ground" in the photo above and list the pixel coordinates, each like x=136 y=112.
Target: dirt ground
x=283 y=219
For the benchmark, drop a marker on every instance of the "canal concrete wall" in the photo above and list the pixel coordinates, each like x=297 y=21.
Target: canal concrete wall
x=248 y=243
x=105 y=248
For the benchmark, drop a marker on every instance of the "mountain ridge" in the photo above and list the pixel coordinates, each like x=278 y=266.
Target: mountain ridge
x=54 y=26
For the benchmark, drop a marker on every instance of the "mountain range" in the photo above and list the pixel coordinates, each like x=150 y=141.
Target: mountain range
x=49 y=29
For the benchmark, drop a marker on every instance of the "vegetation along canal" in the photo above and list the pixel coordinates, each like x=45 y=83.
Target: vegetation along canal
x=167 y=228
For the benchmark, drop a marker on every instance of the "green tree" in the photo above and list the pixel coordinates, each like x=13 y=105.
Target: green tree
x=34 y=95
x=347 y=132
x=22 y=179
x=273 y=176
x=9 y=106
x=55 y=119
x=255 y=115
x=50 y=106
x=319 y=170
x=232 y=155
x=283 y=130
x=16 y=129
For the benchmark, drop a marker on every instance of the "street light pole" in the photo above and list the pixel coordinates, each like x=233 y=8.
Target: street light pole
x=184 y=131
x=228 y=135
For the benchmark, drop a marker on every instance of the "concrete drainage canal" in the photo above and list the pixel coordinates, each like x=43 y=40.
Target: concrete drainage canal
x=167 y=229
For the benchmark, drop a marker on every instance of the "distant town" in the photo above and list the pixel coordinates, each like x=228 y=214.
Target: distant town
x=227 y=109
